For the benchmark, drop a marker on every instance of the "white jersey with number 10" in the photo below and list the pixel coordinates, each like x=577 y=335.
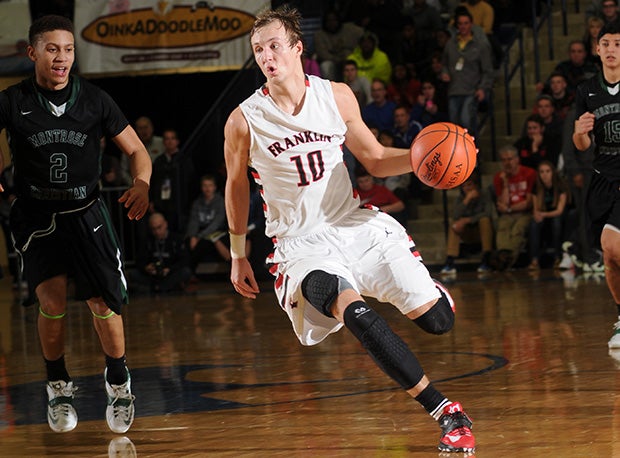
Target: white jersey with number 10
x=299 y=163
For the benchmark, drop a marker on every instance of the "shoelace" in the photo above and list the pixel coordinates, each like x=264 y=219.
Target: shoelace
x=61 y=409
x=64 y=392
x=461 y=431
x=121 y=409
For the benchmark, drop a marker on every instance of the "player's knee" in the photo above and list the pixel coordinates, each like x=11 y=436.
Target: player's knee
x=321 y=289
x=359 y=317
x=100 y=309
x=439 y=319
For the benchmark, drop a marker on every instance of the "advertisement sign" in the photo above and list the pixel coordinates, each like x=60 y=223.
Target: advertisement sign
x=142 y=36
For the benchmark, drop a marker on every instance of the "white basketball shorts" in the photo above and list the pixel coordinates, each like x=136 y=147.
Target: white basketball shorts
x=370 y=249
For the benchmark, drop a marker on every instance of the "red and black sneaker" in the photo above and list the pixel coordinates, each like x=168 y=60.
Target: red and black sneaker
x=455 y=427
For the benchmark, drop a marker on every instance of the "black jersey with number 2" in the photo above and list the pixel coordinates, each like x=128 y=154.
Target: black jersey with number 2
x=595 y=96
x=57 y=158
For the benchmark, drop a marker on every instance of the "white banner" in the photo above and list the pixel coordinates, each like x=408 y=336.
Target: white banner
x=14 y=25
x=149 y=36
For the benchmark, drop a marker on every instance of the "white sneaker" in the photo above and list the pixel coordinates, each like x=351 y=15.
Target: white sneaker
x=448 y=270
x=61 y=416
x=576 y=261
x=122 y=447
x=566 y=262
x=120 y=411
x=614 y=342
x=595 y=267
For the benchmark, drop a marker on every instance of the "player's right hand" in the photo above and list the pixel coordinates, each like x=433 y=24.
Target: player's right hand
x=136 y=199
x=242 y=278
x=585 y=123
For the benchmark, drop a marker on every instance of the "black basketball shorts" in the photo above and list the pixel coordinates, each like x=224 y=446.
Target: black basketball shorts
x=79 y=243
x=603 y=203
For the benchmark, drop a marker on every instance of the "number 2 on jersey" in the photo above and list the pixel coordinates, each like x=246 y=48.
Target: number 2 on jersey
x=58 y=167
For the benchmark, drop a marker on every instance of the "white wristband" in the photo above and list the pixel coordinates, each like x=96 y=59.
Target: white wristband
x=237 y=245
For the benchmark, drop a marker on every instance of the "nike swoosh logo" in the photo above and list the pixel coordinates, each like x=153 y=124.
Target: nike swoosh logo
x=24 y=113
x=97 y=228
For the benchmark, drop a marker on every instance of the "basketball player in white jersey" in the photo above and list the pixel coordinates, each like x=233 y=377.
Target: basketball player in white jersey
x=328 y=251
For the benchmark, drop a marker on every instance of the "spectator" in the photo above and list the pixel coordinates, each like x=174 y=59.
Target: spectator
x=482 y=14
x=404 y=88
x=553 y=124
x=427 y=109
x=426 y=21
x=384 y=19
x=468 y=68
x=162 y=261
x=379 y=112
x=471 y=223
x=577 y=68
x=333 y=43
x=550 y=201
x=442 y=36
x=513 y=187
x=609 y=11
x=358 y=84
x=310 y=65
x=411 y=50
x=376 y=195
x=562 y=98
x=405 y=129
x=533 y=147
x=206 y=229
x=594 y=24
x=434 y=74
x=169 y=184
x=371 y=61
x=153 y=144
x=398 y=184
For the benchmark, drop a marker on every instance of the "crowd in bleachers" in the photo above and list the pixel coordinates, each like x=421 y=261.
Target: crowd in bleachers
x=537 y=199
x=410 y=64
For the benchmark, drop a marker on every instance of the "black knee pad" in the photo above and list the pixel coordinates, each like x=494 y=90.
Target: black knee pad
x=321 y=290
x=439 y=319
x=386 y=348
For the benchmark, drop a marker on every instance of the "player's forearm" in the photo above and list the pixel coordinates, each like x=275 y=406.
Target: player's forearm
x=392 y=162
x=582 y=141
x=237 y=202
x=141 y=166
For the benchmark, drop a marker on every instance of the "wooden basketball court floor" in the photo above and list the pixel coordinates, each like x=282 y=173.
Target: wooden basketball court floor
x=218 y=375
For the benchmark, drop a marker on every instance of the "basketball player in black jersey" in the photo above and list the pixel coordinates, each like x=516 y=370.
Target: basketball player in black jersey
x=58 y=223
x=598 y=120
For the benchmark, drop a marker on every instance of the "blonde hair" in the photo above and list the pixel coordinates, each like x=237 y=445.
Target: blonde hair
x=288 y=17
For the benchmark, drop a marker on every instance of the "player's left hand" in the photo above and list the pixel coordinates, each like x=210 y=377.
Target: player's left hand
x=136 y=199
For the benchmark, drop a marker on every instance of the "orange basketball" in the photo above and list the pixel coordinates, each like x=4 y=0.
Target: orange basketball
x=443 y=155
